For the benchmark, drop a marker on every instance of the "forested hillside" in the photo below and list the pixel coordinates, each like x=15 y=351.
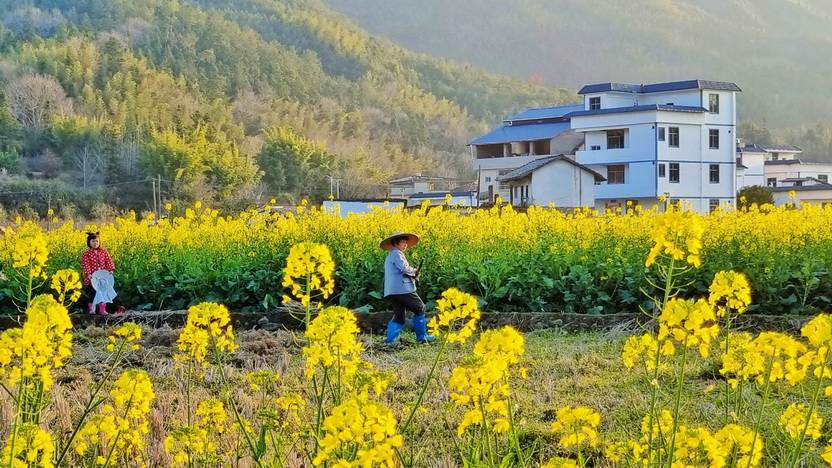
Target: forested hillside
x=227 y=101
x=779 y=52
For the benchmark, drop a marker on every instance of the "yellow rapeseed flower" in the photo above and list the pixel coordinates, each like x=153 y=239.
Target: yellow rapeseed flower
x=67 y=284
x=42 y=344
x=128 y=333
x=359 y=432
x=677 y=234
x=642 y=349
x=560 y=462
x=794 y=418
x=729 y=292
x=689 y=323
x=309 y=272
x=33 y=448
x=577 y=427
x=457 y=316
x=120 y=430
x=208 y=328
x=333 y=342
x=737 y=440
x=189 y=445
x=697 y=447
x=827 y=454
x=30 y=251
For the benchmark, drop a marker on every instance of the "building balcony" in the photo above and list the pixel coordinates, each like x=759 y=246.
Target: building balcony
x=613 y=156
x=625 y=191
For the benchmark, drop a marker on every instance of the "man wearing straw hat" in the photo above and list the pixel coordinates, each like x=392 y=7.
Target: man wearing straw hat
x=400 y=288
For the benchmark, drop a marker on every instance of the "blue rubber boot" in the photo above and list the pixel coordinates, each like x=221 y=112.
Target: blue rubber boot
x=394 y=329
x=420 y=326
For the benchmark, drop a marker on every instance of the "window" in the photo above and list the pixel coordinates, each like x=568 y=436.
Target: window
x=713 y=204
x=674 y=173
x=771 y=182
x=662 y=170
x=488 y=179
x=661 y=133
x=823 y=178
x=595 y=147
x=594 y=103
x=673 y=136
x=799 y=183
x=713 y=103
x=615 y=174
x=775 y=156
x=713 y=138
x=615 y=139
x=714 y=178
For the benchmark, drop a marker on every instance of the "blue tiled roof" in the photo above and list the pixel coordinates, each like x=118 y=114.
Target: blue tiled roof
x=455 y=193
x=528 y=168
x=784 y=148
x=643 y=108
x=752 y=148
x=509 y=133
x=659 y=87
x=545 y=112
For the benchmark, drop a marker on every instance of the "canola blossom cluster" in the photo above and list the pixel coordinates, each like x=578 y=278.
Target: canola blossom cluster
x=457 y=314
x=119 y=431
x=576 y=427
x=333 y=343
x=208 y=328
x=481 y=385
x=677 y=234
x=37 y=348
x=309 y=273
x=33 y=447
x=729 y=292
x=67 y=284
x=361 y=427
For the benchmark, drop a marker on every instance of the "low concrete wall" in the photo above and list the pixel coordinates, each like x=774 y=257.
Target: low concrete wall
x=377 y=321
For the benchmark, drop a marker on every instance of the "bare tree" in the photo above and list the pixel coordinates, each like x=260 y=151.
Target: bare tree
x=88 y=161
x=33 y=99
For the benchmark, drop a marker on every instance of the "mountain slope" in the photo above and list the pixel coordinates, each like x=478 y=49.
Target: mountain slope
x=191 y=81
x=780 y=52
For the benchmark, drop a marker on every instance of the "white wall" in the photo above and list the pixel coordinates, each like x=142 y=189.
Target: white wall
x=798 y=170
x=818 y=197
x=563 y=184
x=688 y=97
x=755 y=174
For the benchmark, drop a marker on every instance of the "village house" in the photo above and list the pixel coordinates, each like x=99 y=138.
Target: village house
x=646 y=142
x=405 y=186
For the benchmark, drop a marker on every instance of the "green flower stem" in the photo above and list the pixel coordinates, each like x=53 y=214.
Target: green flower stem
x=91 y=403
x=794 y=455
x=424 y=388
x=759 y=418
x=677 y=402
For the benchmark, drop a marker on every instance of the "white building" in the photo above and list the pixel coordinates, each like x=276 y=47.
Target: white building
x=751 y=166
x=674 y=139
x=405 y=186
x=558 y=180
x=521 y=139
x=813 y=192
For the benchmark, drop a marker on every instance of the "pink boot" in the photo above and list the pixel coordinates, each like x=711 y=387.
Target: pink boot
x=91 y=308
x=102 y=309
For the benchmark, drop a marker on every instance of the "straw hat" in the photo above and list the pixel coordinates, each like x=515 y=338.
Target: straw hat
x=387 y=244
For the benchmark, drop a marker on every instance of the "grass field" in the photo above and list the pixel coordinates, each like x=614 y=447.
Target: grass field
x=564 y=369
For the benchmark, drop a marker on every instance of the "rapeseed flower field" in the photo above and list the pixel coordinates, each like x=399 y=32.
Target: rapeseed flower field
x=683 y=390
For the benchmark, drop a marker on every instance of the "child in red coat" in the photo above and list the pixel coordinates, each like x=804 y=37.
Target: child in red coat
x=95 y=258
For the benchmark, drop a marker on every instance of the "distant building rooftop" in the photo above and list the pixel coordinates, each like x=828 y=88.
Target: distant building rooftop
x=642 y=108
x=526 y=169
x=509 y=133
x=782 y=162
x=751 y=148
x=542 y=113
x=782 y=148
x=803 y=188
x=658 y=87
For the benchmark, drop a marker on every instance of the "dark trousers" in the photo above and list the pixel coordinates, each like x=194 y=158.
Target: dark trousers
x=401 y=303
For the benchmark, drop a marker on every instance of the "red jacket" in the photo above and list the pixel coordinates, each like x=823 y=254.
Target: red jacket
x=94 y=260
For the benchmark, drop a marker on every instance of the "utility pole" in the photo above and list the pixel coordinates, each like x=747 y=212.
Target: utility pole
x=153 y=183
x=159 y=192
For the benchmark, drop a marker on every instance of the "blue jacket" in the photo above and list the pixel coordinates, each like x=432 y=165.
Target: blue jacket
x=398 y=274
